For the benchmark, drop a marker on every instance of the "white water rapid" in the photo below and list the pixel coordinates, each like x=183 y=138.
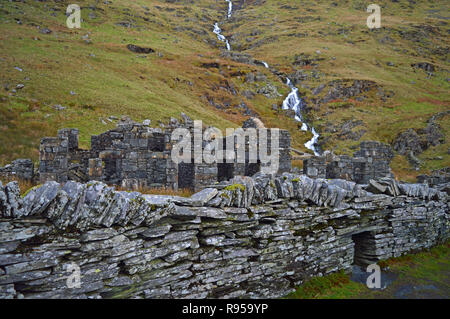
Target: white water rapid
x=292 y=101
x=230 y=8
x=220 y=36
x=218 y=30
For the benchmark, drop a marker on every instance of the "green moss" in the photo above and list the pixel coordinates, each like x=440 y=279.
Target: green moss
x=235 y=187
x=32 y=188
x=225 y=195
x=122 y=292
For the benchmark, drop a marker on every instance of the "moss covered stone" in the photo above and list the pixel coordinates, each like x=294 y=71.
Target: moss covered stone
x=235 y=187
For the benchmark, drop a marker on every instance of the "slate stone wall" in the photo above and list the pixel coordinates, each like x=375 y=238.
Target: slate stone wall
x=370 y=162
x=53 y=155
x=20 y=168
x=437 y=177
x=250 y=237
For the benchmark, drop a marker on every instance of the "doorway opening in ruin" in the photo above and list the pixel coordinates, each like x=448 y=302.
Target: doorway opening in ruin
x=156 y=143
x=252 y=168
x=186 y=176
x=110 y=168
x=225 y=171
x=362 y=255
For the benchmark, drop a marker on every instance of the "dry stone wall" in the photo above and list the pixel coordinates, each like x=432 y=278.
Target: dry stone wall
x=249 y=237
x=439 y=178
x=20 y=168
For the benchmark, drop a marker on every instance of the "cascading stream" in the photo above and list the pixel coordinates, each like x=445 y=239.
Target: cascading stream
x=218 y=30
x=295 y=103
x=292 y=101
x=220 y=36
x=230 y=8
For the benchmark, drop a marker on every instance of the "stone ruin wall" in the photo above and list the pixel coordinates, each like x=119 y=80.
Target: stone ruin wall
x=437 y=178
x=20 y=168
x=372 y=161
x=138 y=156
x=251 y=237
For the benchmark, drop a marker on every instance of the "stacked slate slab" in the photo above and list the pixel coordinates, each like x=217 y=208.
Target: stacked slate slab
x=20 y=168
x=251 y=237
x=53 y=159
x=372 y=161
x=437 y=177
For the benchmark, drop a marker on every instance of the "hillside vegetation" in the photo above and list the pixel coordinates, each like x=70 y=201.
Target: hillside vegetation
x=359 y=84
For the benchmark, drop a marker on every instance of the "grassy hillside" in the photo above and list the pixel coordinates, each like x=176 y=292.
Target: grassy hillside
x=81 y=77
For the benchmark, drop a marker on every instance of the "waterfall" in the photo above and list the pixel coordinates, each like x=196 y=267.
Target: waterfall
x=218 y=30
x=230 y=8
x=292 y=101
x=220 y=36
x=295 y=103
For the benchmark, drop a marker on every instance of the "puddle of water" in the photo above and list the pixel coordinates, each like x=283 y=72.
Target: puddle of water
x=401 y=290
x=359 y=274
x=419 y=292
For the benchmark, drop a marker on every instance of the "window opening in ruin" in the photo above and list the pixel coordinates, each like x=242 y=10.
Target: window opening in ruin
x=225 y=171
x=186 y=176
x=252 y=168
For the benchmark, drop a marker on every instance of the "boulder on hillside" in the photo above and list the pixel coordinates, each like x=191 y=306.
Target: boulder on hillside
x=138 y=49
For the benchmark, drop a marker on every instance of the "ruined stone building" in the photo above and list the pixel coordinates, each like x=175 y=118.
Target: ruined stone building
x=372 y=161
x=135 y=155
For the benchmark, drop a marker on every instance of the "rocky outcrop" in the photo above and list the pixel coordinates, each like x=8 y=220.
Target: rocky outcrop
x=249 y=237
x=345 y=89
x=345 y=130
x=415 y=141
x=253 y=122
x=427 y=67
